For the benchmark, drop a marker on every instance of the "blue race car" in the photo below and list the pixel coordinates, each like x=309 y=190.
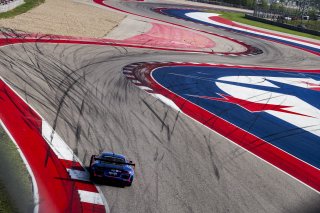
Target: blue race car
x=111 y=166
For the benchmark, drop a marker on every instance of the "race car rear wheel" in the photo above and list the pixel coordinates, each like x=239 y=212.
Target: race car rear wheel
x=91 y=175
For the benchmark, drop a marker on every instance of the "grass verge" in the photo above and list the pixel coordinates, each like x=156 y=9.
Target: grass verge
x=239 y=17
x=15 y=183
x=5 y=203
x=28 y=5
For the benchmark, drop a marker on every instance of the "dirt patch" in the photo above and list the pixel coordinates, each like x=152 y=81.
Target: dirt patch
x=65 y=17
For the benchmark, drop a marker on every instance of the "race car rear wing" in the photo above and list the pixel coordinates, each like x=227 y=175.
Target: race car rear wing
x=110 y=161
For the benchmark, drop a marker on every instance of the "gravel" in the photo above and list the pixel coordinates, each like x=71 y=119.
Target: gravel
x=65 y=17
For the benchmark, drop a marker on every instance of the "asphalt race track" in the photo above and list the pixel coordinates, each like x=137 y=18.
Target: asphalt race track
x=182 y=165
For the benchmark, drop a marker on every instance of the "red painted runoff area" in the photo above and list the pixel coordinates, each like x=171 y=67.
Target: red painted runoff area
x=161 y=35
x=56 y=190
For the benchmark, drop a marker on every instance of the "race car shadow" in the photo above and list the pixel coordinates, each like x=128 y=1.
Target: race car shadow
x=111 y=183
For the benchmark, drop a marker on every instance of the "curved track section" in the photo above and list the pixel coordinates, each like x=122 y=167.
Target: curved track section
x=215 y=21
x=269 y=112
x=77 y=85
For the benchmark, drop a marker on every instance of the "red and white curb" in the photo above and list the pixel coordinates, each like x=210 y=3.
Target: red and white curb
x=60 y=182
x=89 y=194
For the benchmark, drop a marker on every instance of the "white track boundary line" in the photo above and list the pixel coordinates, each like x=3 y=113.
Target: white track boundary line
x=60 y=148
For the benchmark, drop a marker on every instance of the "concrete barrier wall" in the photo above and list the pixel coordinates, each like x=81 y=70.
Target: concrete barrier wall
x=313 y=32
x=10 y=6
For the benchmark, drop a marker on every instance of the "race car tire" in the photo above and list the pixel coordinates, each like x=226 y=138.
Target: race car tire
x=92 y=178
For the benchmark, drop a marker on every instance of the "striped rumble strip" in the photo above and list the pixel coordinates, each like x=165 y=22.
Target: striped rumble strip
x=60 y=182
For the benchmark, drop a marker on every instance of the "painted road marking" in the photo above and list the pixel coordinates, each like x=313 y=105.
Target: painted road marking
x=206 y=17
x=286 y=99
x=56 y=191
x=60 y=148
x=131 y=76
x=301 y=168
x=136 y=81
x=211 y=20
x=166 y=101
x=90 y=197
x=25 y=127
x=145 y=88
x=79 y=175
x=285 y=145
x=249 y=49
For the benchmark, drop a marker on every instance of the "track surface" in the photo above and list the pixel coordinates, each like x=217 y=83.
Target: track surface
x=181 y=165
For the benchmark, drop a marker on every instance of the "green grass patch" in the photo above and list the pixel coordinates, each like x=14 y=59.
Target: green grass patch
x=5 y=203
x=310 y=24
x=240 y=17
x=15 y=183
x=28 y=5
